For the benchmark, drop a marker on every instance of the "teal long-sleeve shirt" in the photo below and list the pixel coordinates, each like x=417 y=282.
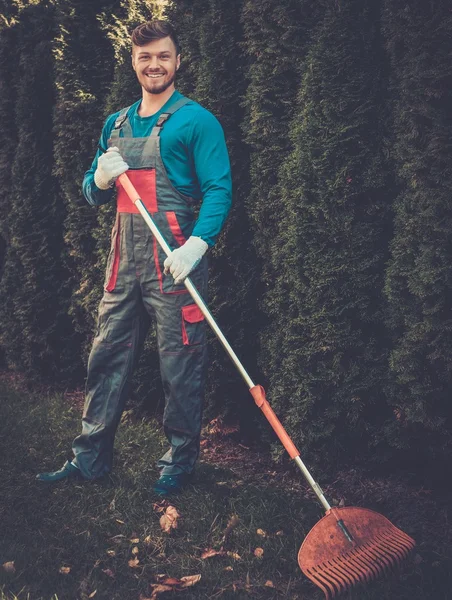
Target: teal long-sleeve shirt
x=194 y=153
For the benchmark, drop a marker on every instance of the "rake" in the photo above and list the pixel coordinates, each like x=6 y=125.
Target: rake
x=349 y=545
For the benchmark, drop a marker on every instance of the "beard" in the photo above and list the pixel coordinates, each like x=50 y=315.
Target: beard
x=158 y=89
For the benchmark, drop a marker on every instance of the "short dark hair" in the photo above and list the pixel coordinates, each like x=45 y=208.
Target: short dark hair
x=154 y=30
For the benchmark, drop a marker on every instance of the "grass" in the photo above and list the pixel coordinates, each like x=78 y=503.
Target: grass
x=88 y=527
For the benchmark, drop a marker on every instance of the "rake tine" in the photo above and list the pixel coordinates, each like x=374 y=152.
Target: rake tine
x=351 y=567
x=369 y=562
x=322 y=581
x=326 y=569
x=377 y=556
x=400 y=541
x=344 y=572
x=390 y=546
x=344 y=583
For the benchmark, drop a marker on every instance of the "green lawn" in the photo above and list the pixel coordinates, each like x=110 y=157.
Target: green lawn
x=93 y=530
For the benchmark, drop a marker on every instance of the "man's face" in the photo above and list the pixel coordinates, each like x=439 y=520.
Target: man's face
x=156 y=64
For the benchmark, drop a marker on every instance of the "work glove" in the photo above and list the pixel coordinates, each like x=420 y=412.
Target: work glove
x=184 y=259
x=109 y=167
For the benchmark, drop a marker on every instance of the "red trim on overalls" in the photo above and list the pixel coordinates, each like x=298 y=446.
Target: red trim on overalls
x=192 y=314
x=114 y=272
x=175 y=227
x=144 y=182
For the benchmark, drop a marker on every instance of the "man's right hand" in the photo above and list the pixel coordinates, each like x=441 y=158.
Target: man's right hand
x=109 y=167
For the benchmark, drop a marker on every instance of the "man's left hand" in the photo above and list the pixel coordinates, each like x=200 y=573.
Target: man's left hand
x=183 y=260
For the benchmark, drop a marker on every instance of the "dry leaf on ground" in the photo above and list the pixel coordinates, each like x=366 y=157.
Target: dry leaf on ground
x=111 y=553
x=261 y=532
x=65 y=570
x=269 y=584
x=135 y=550
x=168 y=520
x=171 y=584
x=9 y=567
x=259 y=552
x=133 y=563
x=234 y=555
x=135 y=541
x=92 y=594
x=211 y=552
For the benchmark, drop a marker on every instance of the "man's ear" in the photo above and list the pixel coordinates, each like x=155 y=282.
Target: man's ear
x=177 y=62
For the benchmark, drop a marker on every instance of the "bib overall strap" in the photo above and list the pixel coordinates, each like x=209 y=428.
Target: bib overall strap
x=121 y=123
x=163 y=118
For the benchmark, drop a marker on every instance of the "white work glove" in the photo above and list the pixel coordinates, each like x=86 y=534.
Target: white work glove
x=184 y=259
x=109 y=166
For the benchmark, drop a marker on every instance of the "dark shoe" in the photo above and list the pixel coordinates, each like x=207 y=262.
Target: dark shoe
x=168 y=485
x=69 y=471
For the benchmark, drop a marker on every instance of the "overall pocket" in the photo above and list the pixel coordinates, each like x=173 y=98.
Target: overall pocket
x=193 y=326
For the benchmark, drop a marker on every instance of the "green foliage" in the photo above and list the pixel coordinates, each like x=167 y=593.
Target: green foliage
x=419 y=276
x=35 y=328
x=325 y=344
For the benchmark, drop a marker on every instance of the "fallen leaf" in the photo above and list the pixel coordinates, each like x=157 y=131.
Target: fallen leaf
x=133 y=563
x=259 y=552
x=108 y=572
x=261 y=532
x=209 y=553
x=9 y=567
x=280 y=532
x=135 y=550
x=228 y=569
x=169 y=580
x=234 y=555
x=158 y=588
x=135 y=541
x=190 y=580
x=112 y=505
x=170 y=584
x=65 y=570
x=169 y=519
x=111 y=552
x=147 y=540
x=92 y=594
x=269 y=584
x=119 y=521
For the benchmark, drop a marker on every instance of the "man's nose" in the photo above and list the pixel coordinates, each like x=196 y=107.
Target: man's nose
x=154 y=62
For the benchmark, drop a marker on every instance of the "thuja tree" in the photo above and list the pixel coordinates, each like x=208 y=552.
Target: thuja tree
x=213 y=75
x=276 y=37
x=34 y=315
x=419 y=276
x=83 y=72
x=326 y=345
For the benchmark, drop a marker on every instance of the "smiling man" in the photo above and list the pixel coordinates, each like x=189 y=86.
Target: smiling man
x=175 y=154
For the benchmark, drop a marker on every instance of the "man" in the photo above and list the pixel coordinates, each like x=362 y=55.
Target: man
x=175 y=154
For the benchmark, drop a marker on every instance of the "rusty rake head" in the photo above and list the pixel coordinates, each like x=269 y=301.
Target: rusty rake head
x=335 y=563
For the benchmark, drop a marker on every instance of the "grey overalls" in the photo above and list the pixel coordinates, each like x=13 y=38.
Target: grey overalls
x=136 y=289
